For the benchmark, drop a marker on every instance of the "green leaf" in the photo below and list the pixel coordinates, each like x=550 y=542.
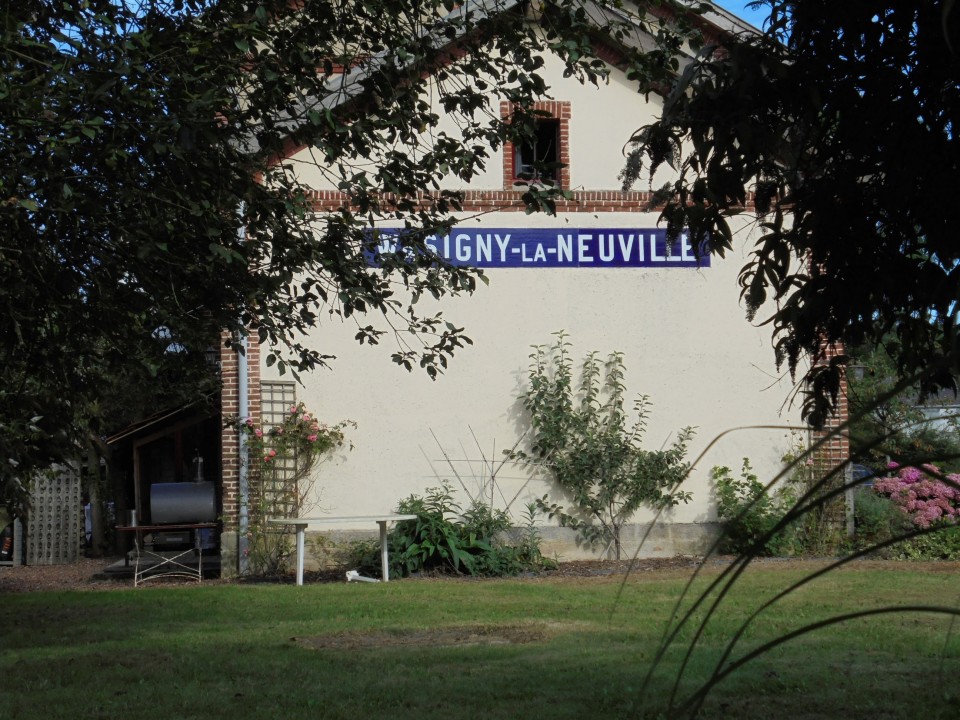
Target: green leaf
x=226 y=253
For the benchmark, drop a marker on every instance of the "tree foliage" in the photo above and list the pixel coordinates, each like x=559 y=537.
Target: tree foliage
x=582 y=437
x=144 y=189
x=840 y=121
x=887 y=425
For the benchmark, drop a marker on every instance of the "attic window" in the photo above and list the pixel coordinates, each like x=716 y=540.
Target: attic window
x=537 y=159
x=544 y=157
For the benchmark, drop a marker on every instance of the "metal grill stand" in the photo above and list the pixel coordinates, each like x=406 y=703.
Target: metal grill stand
x=149 y=564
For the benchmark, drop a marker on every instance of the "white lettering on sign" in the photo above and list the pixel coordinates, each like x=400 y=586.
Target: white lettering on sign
x=502 y=243
x=483 y=248
x=654 y=255
x=606 y=247
x=686 y=249
x=582 y=255
x=464 y=246
x=626 y=246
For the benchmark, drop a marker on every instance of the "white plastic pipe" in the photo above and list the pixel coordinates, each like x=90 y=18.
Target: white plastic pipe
x=353 y=575
x=243 y=407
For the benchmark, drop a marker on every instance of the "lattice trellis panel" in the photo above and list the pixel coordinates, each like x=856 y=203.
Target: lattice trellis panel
x=56 y=518
x=276 y=399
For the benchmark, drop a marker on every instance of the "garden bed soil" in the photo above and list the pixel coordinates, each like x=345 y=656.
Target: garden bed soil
x=88 y=573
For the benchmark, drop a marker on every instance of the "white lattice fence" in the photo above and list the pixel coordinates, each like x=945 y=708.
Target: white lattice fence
x=56 y=518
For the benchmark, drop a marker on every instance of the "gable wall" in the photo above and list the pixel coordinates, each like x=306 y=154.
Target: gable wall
x=685 y=340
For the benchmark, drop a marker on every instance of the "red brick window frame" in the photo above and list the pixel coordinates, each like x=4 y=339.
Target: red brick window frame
x=557 y=111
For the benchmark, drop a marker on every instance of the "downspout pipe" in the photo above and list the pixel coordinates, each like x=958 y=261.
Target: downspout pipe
x=243 y=481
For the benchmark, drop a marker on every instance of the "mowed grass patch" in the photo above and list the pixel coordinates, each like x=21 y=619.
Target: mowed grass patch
x=527 y=648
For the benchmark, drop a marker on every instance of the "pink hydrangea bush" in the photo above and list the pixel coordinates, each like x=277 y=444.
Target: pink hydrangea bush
x=921 y=495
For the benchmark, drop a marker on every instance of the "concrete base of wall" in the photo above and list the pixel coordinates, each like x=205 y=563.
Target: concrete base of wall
x=664 y=540
x=228 y=554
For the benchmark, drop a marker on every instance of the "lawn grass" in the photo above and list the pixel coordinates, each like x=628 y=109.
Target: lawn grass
x=361 y=650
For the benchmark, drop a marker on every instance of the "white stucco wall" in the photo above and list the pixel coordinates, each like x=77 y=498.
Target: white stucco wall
x=685 y=341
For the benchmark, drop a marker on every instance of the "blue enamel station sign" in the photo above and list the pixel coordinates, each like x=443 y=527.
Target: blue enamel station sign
x=538 y=247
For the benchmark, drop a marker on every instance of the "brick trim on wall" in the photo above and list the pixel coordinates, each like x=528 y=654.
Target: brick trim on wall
x=834 y=450
x=511 y=200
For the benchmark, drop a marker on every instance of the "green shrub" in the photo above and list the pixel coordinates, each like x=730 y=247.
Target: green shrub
x=485 y=521
x=479 y=541
x=941 y=544
x=880 y=518
x=513 y=550
x=877 y=519
x=434 y=540
x=527 y=544
x=749 y=513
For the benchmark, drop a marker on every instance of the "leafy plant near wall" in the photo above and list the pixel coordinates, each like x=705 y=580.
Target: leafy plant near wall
x=820 y=529
x=582 y=438
x=435 y=540
x=749 y=513
x=753 y=514
x=941 y=544
x=282 y=461
x=887 y=515
x=881 y=521
x=480 y=540
x=877 y=520
x=527 y=542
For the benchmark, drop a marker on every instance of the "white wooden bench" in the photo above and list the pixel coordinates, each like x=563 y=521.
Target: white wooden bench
x=301 y=525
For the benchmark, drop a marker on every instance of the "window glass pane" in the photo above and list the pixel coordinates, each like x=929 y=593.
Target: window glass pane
x=533 y=158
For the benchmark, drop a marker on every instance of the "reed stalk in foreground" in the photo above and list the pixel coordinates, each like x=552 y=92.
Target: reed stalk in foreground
x=695 y=609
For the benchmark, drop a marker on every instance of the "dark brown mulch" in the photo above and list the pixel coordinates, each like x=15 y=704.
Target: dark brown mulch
x=572 y=568
x=88 y=574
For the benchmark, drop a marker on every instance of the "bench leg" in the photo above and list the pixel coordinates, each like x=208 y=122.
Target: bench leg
x=300 y=534
x=384 y=560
